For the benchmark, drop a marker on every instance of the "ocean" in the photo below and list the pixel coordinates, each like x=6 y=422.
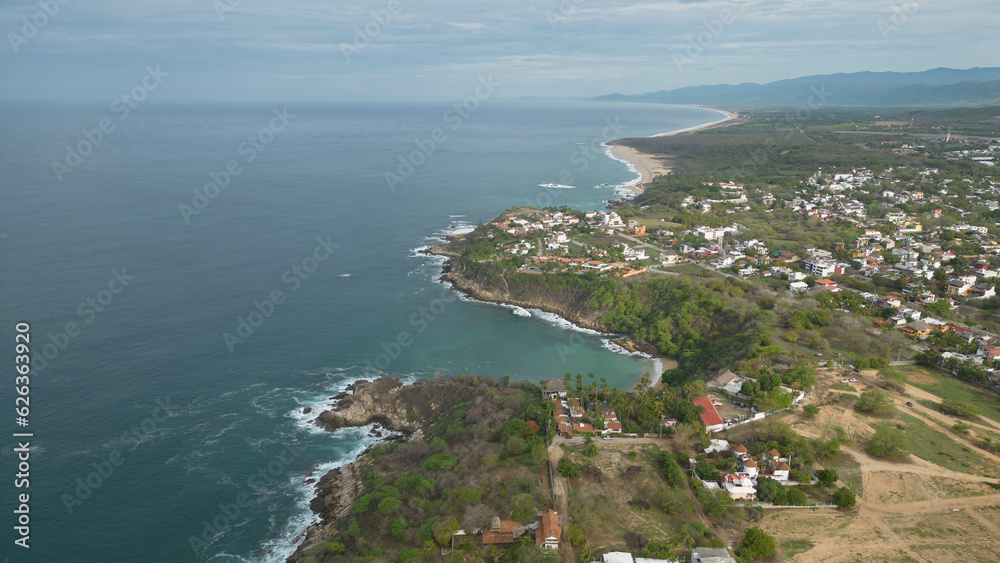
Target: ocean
x=194 y=277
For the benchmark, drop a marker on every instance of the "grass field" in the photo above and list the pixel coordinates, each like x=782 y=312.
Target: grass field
x=950 y=388
x=930 y=444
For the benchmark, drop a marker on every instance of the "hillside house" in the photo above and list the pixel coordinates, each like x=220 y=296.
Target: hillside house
x=549 y=531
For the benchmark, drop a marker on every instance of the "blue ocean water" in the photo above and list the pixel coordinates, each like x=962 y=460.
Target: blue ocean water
x=157 y=437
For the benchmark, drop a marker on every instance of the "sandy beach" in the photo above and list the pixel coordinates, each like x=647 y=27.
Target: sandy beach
x=651 y=166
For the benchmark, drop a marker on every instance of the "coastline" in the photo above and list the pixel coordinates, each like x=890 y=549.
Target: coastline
x=657 y=364
x=650 y=166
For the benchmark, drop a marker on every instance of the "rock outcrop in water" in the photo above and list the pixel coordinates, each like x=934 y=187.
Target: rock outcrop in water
x=373 y=402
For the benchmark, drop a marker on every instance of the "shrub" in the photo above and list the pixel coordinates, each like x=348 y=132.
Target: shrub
x=440 y=461
x=959 y=408
x=437 y=444
x=398 y=525
x=769 y=490
x=799 y=476
x=388 y=505
x=875 y=401
x=844 y=497
x=827 y=477
x=887 y=442
x=810 y=410
x=795 y=497
x=333 y=547
x=671 y=470
x=757 y=544
x=568 y=468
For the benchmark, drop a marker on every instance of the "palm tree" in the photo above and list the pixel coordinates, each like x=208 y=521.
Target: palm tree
x=604 y=386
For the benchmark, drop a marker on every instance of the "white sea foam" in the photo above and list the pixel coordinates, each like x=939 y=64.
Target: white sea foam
x=279 y=549
x=521 y=312
x=617 y=349
x=344 y=276
x=561 y=322
x=632 y=168
x=557 y=186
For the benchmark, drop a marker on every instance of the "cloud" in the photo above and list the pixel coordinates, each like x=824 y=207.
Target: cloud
x=433 y=48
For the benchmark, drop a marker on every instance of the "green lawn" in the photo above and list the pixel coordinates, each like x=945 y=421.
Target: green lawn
x=849 y=471
x=951 y=388
x=929 y=444
x=791 y=548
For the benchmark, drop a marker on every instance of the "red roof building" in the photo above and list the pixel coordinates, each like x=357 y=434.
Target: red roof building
x=548 y=530
x=710 y=418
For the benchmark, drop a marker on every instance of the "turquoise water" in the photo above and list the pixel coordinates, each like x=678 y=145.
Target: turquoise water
x=157 y=437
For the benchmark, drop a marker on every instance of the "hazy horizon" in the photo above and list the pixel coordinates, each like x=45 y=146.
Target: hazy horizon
x=392 y=50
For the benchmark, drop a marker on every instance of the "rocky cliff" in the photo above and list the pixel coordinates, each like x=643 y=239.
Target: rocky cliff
x=372 y=402
x=573 y=308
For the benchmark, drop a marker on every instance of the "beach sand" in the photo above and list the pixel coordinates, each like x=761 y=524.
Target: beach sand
x=651 y=166
x=648 y=165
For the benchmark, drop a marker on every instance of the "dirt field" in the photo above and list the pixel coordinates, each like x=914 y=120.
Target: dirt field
x=908 y=511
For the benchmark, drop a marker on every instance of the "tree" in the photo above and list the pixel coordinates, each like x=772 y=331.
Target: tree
x=894 y=379
x=590 y=447
x=889 y=442
x=757 y=544
x=844 y=498
x=388 y=505
x=875 y=401
x=568 y=468
x=770 y=490
x=959 y=408
x=398 y=525
x=749 y=387
x=671 y=470
x=443 y=530
x=827 y=477
x=810 y=410
x=795 y=497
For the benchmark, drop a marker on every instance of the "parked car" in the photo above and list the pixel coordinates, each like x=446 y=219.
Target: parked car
x=606 y=438
x=909 y=404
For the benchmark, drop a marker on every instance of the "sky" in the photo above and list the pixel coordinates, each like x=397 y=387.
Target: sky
x=391 y=50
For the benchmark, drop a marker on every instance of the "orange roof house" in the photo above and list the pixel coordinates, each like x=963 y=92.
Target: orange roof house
x=548 y=530
x=740 y=449
x=500 y=532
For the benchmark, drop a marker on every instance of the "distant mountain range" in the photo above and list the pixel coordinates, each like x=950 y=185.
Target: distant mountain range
x=939 y=87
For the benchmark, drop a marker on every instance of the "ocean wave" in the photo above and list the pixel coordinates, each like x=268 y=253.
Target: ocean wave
x=521 y=312
x=631 y=167
x=456 y=228
x=281 y=547
x=561 y=322
x=557 y=186
x=618 y=349
x=344 y=275
x=456 y=216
